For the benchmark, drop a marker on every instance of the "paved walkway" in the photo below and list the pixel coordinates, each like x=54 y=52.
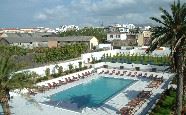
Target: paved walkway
x=33 y=106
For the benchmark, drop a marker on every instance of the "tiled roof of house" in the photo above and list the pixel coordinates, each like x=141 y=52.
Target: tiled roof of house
x=31 y=37
x=72 y=38
x=25 y=40
x=36 y=35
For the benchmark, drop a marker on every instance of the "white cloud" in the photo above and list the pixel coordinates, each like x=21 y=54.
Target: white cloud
x=109 y=11
x=41 y=17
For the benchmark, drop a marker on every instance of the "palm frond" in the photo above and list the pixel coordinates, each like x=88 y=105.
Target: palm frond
x=166 y=16
x=157 y=20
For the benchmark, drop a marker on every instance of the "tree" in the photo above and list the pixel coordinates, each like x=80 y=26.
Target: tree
x=80 y=65
x=172 y=31
x=60 y=70
x=10 y=80
x=70 y=66
x=99 y=33
x=47 y=73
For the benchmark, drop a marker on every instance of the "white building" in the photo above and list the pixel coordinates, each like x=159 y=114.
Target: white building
x=116 y=36
x=124 y=29
x=27 y=30
x=129 y=26
x=147 y=27
x=117 y=25
x=105 y=46
x=65 y=28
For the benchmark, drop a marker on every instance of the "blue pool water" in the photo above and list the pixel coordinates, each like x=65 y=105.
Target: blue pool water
x=1 y=110
x=92 y=94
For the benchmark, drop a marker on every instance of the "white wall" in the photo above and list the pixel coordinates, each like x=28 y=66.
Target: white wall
x=31 y=46
x=62 y=78
x=96 y=55
x=94 y=42
x=139 y=50
x=97 y=65
x=124 y=29
x=121 y=51
x=132 y=66
x=109 y=46
x=41 y=70
x=123 y=36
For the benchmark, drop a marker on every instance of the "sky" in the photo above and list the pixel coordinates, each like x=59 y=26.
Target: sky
x=54 y=13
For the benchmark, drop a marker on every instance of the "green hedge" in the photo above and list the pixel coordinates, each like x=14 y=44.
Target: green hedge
x=45 y=55
x=166 y=103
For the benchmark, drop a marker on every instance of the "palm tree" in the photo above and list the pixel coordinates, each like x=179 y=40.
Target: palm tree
x=9 y=80
x=172 y=31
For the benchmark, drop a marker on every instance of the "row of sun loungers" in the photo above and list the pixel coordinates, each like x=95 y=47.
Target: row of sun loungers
x=155 y=84
x=58 y=83
x=136 y=103
x=132 y=74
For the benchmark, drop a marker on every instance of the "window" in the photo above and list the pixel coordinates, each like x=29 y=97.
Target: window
x=117 y=36
x=111 y=36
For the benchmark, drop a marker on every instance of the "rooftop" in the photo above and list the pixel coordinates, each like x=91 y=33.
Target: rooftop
x=33 y=37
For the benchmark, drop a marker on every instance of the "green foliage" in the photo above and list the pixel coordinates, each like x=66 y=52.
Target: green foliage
x=15 y=53
x=85 y=67
x=170 y=31
x=93 y=60
x=9 y=79
x=166 y=103
x=60 y=70
x=22 y=80
x=12 y=50
x=99 y=33
x=80 y=65
x=70 y=66
x=44 y=55
x=40 y=79
x=140 y=59
x=8 y=67
x=47 y=72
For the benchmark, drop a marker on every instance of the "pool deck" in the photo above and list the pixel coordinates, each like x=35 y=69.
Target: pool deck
x=33 y=106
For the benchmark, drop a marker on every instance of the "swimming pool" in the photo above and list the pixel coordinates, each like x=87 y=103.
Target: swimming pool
x=92 y=94
x=1 y=109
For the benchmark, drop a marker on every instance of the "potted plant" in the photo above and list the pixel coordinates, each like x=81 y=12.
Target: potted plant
x=137 y=68
x=70 y=66
x=47 y=73
x=80 y=65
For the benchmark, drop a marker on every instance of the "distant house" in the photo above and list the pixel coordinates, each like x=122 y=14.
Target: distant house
x=25 y=42
x=28 y=40
x=127 y=42
x=116 y=36
x=120 y=28
x=91 y=41
x=144 y=38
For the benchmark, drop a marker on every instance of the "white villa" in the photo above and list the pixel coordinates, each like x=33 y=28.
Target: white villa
x=116 y=36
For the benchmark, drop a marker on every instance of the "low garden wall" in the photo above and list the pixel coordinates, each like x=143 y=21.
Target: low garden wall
x=130 y=66
x=41 y=70
x=62 y=78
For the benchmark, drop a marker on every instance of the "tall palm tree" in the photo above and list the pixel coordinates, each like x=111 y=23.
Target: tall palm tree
x=10 y=80
x=172 y=31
